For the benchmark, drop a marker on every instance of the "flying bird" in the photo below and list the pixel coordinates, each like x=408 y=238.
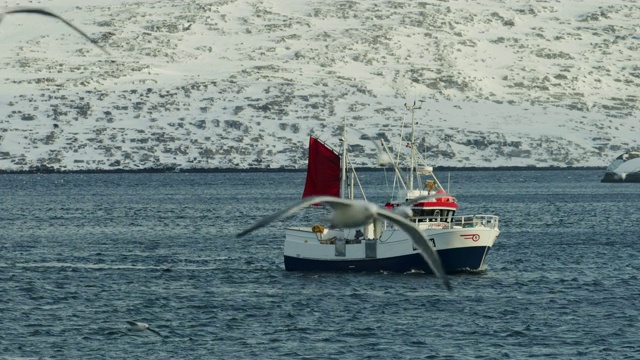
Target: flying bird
x=140 y=326
x=383 y=158
x=38 y=11
x=356 y=213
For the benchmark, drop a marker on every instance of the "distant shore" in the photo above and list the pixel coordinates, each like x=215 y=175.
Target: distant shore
x=46 y=170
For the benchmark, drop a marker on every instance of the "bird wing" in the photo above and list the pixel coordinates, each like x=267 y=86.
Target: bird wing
x=155 y=332
x=384 y=158
x=39 y=11
x=427 y=251
x=403 y=210
x=378 y=147
x=330 y=200
x=132 y=323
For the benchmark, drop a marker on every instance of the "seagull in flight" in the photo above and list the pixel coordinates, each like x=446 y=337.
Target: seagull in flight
x=355 y=213
x=140 y=326
x=38 y=11
x=383 y=158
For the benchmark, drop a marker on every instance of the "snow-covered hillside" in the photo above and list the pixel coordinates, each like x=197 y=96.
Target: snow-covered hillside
x=242 y=84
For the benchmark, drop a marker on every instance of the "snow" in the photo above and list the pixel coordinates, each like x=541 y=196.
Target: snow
x=242 y=84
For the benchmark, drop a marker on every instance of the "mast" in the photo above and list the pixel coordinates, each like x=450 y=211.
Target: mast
x=343 y=163
x=412 y=144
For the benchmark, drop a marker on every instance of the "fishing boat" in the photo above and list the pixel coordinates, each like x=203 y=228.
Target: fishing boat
x=624 y=168
x=461 y=241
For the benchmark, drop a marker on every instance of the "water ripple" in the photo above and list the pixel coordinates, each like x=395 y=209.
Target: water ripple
x=160 y=248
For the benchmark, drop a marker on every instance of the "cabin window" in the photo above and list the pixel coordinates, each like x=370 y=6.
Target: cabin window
x=421 y=212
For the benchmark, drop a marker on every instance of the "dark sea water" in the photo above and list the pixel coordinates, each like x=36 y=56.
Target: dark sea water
x=81 y=254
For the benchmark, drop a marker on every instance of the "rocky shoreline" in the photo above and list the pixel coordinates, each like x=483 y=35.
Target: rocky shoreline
x=48 y=170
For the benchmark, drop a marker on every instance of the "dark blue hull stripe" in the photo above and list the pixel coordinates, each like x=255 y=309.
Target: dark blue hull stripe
x=453 y=260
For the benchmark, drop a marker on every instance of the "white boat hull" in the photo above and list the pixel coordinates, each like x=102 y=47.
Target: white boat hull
x=460 y=249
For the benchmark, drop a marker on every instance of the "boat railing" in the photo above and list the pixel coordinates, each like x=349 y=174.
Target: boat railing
x=460 y=221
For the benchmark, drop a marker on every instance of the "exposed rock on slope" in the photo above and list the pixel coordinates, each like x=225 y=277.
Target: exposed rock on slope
x=239 y=84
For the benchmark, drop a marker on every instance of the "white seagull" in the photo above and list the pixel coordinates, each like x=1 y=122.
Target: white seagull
x=38 y=11
x=383 y=158
x=140 y=326
x=356 y=213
